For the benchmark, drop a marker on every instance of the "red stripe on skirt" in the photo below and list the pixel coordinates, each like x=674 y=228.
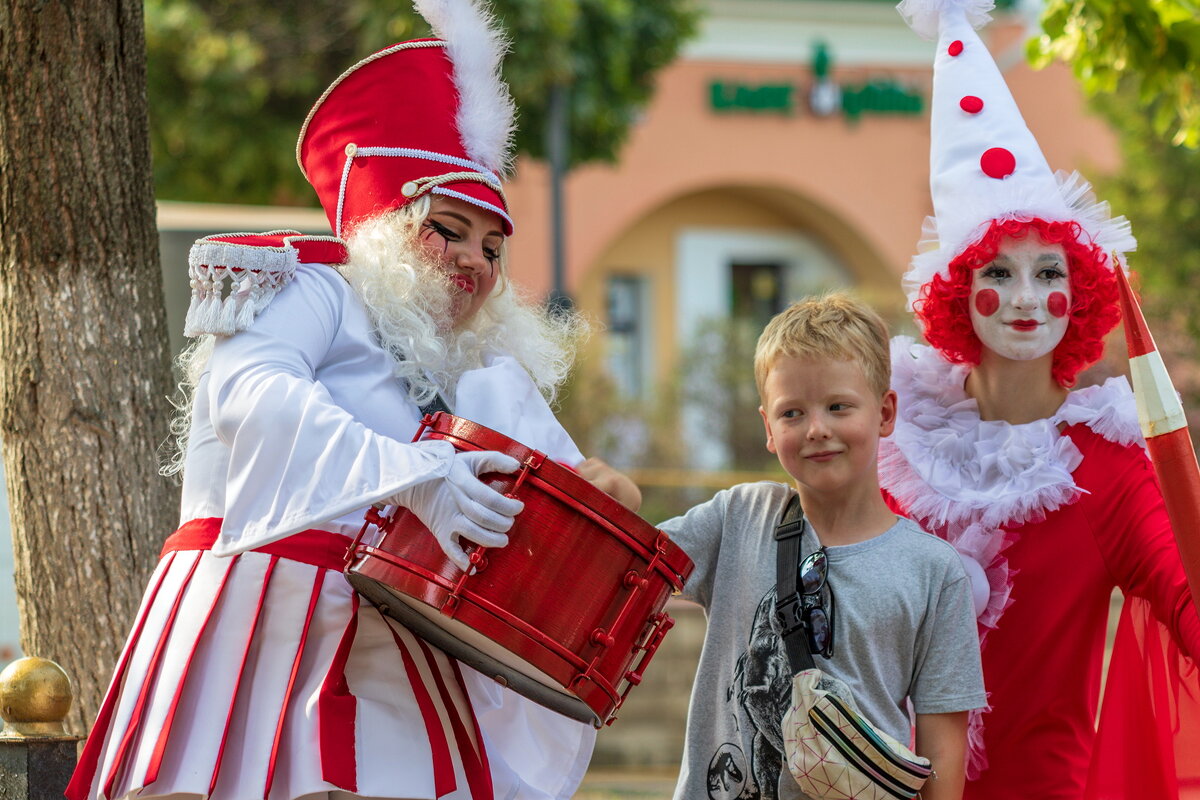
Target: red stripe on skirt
x=474 y=721
x=85 y=773
x=337 y=711
x=444 y=781
x=287 y=695
x=241 y=671
x=336 y=719
x=160 y=747
x=478 y=778
x=152 y=670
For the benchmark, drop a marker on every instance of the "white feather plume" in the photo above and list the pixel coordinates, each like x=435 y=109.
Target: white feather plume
x=476 y=47
x=923 y=16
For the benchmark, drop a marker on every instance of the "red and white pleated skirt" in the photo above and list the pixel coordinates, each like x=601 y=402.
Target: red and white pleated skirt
x=263 y=676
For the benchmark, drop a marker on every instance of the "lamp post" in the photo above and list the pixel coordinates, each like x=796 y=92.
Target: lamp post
x=558 y=124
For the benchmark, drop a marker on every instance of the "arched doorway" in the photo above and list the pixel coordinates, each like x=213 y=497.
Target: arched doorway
x=669 y=285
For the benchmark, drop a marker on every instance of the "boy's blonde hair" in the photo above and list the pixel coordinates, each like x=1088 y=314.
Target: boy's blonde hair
x=833 y=326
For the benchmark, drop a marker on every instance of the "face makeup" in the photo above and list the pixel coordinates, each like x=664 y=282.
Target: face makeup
x=1020 y=300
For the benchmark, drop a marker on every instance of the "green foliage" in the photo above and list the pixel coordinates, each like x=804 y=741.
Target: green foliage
x=1156 y=190
x=1156 y=43
x=230 y=82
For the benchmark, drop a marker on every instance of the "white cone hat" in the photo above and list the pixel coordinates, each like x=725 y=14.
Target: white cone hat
x=984 y=162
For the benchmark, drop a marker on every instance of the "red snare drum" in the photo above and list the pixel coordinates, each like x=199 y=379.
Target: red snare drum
x=568 y=614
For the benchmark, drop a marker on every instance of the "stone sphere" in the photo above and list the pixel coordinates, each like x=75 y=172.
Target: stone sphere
x=34 y=690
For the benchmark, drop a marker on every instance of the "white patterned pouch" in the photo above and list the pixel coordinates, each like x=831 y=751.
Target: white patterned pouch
x=835 y=754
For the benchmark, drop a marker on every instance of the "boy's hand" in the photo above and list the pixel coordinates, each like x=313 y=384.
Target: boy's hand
x=612 y=482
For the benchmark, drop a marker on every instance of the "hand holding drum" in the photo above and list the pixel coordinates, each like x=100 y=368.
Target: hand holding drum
x=612 y=482
x=462 y=506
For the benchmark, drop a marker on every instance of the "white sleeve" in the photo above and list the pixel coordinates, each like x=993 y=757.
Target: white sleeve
x=297 y=458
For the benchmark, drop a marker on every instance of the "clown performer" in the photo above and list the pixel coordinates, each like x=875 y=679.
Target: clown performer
x=253 y=669
x=1046 y=491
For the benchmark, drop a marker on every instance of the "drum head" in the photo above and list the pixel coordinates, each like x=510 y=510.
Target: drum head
x=474 y=649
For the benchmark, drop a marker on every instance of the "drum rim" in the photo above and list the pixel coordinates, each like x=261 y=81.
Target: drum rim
x=569 y=481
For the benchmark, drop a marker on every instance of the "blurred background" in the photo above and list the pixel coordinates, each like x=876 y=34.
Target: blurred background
x=687 y=168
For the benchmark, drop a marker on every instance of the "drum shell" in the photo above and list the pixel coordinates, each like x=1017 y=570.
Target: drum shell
x=577 y=593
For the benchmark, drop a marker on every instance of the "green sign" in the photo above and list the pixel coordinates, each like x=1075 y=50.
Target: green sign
x=880 y=97
x=739 y=97
x=823 y=97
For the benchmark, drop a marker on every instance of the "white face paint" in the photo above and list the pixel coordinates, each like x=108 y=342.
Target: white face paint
x=1020 y=301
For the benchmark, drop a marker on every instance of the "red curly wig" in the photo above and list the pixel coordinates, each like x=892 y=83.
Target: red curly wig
x=943 y=312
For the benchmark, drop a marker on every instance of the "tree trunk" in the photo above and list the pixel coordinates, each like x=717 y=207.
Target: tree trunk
x=84 y=362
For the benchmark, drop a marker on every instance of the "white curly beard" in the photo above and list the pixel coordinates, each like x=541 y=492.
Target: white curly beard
x=410 y=302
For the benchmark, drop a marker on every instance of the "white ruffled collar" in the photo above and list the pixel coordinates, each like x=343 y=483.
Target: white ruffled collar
x=986 y=472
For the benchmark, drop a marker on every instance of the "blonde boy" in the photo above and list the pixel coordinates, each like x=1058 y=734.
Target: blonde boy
x=903 y=621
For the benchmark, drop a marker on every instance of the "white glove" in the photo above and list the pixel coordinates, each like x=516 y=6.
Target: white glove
x=462 y=506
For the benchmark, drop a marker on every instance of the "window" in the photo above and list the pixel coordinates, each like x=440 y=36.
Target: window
x=756 y=290
x=628 y=335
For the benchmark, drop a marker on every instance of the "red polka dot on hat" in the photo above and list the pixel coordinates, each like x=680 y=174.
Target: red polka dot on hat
x=997 y=163
x=971 y=104
x=955 y=47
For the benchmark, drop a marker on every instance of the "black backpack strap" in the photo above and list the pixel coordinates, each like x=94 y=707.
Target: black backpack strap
x=435 y=405
x=788 y=606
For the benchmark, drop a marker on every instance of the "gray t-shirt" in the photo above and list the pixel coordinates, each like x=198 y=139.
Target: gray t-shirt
x=904 y=628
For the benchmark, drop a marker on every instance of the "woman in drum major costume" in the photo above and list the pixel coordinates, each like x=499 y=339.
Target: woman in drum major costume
x=253 y=670
x=1047 y=490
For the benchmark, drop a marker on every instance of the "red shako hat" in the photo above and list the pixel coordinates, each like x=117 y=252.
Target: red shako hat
x=424 y=116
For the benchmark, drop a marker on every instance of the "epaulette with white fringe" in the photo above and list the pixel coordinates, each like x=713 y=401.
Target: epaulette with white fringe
x=256 y=265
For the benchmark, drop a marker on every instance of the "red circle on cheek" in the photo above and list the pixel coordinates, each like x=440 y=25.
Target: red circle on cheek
x=987 y=301
x=1056 y=304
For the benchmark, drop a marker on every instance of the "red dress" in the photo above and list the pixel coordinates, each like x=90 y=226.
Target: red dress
x=1058 y=512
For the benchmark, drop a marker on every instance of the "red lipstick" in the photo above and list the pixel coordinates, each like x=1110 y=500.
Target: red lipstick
x=463 y=282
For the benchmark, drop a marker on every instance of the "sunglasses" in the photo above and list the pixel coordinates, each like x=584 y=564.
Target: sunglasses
x=814 y=615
